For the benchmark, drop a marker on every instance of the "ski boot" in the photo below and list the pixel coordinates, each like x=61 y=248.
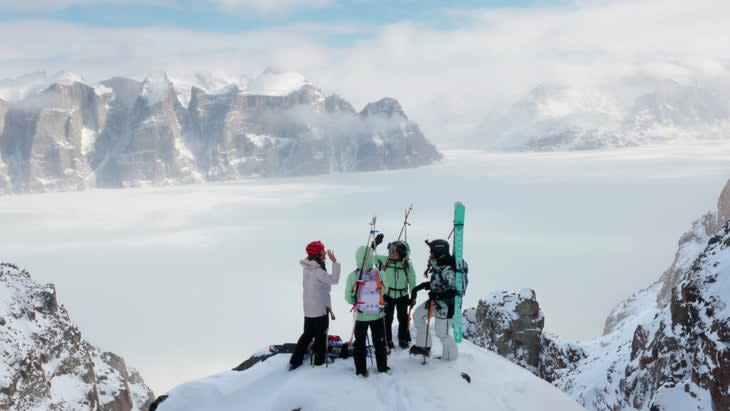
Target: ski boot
x=424 y=352
x=385 y=370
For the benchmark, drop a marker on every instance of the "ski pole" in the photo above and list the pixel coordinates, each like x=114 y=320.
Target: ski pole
x=408 y=322
x=405 y=223
x=370 y=347
x=428 y=320
x=326 y=347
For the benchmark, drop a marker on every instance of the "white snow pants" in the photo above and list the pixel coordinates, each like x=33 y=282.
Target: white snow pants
x=423 y=338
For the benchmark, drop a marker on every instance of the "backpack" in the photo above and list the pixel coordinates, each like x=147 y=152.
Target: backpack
x=464 y=270
x=369 y=299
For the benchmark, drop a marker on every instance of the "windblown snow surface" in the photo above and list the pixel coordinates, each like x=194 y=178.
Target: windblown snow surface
x=496 y=385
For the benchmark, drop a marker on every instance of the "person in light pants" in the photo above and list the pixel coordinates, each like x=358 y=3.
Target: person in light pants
x=442 y=290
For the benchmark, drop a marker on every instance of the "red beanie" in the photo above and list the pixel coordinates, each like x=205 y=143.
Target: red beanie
x=314 y=248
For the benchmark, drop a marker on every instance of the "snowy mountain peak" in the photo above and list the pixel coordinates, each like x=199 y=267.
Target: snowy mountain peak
x=274 y=82
x=492 y=384
x=34 y=83
x=66 y=78
x=211 y=83
x=386 y=106
x=156 y=88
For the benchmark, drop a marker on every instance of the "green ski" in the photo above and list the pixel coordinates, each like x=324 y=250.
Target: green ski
x=459 y=212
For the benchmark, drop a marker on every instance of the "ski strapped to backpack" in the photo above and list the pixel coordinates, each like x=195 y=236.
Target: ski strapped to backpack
x=461 y=268
x=361 y=269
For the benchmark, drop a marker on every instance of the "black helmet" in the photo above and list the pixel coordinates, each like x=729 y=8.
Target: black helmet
x=400 y=247
x=439 y=248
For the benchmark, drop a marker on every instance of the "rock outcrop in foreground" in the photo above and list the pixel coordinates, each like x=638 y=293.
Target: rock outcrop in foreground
x=665 y=348
x=45 y=363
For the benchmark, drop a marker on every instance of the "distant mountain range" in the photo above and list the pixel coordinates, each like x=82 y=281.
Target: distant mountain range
x=572 y=118
x=61 y=133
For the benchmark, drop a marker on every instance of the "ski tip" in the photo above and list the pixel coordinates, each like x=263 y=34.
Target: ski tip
x=466 y=377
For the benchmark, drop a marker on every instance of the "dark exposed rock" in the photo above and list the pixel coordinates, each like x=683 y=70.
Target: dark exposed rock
x=509 y=324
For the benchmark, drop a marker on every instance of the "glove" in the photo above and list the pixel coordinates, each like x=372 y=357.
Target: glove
x=412 y=302
x=432 y=295
x=378 y=240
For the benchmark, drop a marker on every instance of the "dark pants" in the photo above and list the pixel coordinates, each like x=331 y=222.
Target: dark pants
x=314 y=327
x=401 y=304
x=358 y=348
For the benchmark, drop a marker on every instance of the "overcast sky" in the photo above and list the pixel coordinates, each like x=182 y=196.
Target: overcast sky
x=448 y=63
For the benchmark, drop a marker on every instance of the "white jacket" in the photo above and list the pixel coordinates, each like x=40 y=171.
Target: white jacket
x=317 y=284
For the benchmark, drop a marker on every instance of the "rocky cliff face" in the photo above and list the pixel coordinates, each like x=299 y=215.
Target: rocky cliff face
x=665 y=348
x=46 y=364
x=72 y=136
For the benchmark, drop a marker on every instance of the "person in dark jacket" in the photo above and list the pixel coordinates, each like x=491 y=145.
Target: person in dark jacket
x=442 y=290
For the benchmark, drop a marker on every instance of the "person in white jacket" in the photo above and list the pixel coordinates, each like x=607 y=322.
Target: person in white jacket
x=317 y=283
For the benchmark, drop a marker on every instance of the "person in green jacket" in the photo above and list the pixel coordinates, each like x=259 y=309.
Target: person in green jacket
x=399 y=278
x=364 y=291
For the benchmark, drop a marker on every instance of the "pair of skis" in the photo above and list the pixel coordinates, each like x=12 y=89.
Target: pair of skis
x=458 y=249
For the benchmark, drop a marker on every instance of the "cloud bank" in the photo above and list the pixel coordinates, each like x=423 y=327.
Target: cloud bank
x=447 y=79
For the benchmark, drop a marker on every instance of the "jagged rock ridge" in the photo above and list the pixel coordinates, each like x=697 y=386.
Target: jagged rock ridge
x=46 y=364
x=120 y=133
x=666 y=348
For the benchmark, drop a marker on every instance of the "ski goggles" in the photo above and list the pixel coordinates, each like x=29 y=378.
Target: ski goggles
x=392 y=248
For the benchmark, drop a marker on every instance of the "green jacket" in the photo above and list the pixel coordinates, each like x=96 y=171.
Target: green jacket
x=350 y=285
x=398 y=280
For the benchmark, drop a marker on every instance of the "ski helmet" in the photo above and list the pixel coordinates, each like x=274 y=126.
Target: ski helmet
x=314 y=248
x=439 y=248
x=400 y=247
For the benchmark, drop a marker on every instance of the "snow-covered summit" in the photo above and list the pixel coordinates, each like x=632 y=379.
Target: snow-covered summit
x=496 y=385
x=273 y=82
x=45 y=363
x=33 y=83
x=66 y=78
x=211 y=83
x=387 y=106
x=156 y=88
